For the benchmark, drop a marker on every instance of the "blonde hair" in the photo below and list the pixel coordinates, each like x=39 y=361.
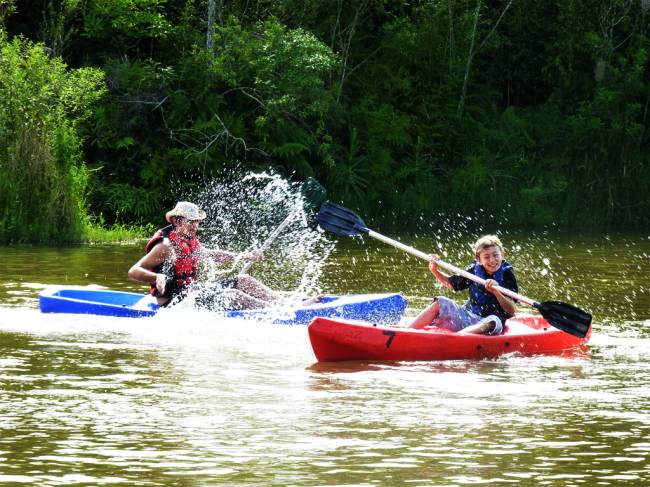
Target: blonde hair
x=487 y=241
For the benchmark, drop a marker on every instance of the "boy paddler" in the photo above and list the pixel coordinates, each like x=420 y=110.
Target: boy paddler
x=487 y=308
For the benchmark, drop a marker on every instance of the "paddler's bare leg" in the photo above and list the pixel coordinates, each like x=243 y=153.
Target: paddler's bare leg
x=257 y=290
x=426 y=316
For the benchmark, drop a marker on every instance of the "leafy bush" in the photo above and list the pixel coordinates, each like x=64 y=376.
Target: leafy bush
x=42 y=174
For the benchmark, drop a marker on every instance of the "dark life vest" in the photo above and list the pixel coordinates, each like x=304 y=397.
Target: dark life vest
x=481 y=302
x=184 y=270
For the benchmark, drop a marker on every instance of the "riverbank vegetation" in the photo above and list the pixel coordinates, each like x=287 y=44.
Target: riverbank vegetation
x=537 y=111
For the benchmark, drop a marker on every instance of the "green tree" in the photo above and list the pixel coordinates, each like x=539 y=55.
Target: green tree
x=42 y=172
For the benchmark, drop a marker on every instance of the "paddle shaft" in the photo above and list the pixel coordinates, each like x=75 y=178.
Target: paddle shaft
x=285 y=223
x=312 y=195
x=449 y=267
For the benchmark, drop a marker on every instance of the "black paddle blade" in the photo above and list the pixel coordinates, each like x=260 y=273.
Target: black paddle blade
x=313 y=194
x=566 y=317
x=340 y=220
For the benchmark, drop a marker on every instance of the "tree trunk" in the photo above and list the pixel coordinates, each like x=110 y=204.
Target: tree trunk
x=470 y=58
x=212 y=7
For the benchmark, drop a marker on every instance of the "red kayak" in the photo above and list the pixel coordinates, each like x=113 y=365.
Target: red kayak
x=335 y=340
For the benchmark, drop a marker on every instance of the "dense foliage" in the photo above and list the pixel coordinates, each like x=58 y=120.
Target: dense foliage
x=399 y=108
x=43 y=183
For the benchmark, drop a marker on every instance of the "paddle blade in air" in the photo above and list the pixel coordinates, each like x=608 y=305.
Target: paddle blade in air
x=566 y=317
x=313 y=194
x=338 y=219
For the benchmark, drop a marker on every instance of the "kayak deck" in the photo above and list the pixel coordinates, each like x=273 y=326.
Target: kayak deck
x=388 y=307
x=340 y=340
x=81 y=300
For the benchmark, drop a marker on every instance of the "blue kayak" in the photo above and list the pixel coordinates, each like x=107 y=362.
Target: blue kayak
x=384 y=308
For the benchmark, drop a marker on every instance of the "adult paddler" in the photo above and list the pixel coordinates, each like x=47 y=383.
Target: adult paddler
x=171 y=263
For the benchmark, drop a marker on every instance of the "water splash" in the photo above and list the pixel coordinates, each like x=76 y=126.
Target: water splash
x=603 y=274
x=244 y=211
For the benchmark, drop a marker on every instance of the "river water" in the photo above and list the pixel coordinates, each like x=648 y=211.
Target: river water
x=187 y=398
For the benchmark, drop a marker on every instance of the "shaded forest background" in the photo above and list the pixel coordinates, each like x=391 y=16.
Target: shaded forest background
x=533 y=109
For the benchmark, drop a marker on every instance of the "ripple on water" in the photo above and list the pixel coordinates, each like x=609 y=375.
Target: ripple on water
x=192 y=398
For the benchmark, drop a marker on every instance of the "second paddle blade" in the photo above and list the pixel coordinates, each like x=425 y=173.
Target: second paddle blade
x=338 y=219
x=313 y=194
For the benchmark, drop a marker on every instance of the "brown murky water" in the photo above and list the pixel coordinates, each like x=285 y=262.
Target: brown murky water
x=185 y=398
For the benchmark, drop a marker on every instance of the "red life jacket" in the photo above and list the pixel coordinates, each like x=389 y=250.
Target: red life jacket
x=185 y=268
